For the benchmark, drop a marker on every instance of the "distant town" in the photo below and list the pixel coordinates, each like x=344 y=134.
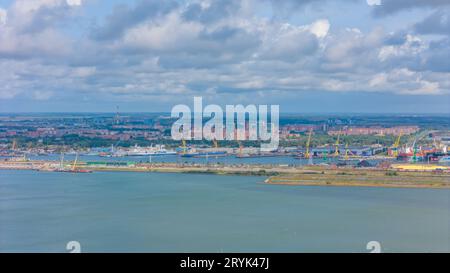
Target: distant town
x=409 y=138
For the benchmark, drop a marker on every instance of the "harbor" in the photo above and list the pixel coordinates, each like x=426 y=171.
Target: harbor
x=381 y=175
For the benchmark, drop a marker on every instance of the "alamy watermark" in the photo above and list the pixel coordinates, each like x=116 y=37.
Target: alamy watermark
x=73 y=247
x=249 y=122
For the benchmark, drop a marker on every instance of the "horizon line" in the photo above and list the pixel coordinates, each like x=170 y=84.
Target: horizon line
x=166 y=112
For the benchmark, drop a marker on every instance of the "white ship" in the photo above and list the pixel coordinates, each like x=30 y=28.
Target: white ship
x=149 y=151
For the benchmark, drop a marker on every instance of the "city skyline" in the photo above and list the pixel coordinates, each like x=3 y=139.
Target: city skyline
x=353 y=56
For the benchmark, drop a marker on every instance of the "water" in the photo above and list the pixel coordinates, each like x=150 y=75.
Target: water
x=276 y=160
x=156 y=212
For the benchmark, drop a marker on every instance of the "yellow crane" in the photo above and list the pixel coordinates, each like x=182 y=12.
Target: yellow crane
x=241 y=146
x=307 y=153
x=61 y=161
x=346 y=152
x=216 y=145
x=336 y=150
x=396 y=145
x=183 y=146
x=75 y=162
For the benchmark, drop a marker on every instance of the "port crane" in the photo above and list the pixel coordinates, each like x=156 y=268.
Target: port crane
x=396 y=145
x=436 y=145
x=14 y=145
x=183 y=146
x=61 y=161
x=308 y=142
x=115 y=145
x=75 y=163
x=414 y=147
x=348 y=153
x=241 y=146
x=336 y=150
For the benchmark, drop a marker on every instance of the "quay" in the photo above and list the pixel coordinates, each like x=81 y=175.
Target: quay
x=400 y=176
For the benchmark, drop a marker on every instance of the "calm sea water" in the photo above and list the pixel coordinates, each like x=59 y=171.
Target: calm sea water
x=154 y=212
x=202 y=160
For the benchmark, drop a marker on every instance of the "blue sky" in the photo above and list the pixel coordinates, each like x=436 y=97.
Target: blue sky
x=312 y=56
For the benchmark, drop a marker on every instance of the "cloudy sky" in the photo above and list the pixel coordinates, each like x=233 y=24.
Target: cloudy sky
x=148 y=55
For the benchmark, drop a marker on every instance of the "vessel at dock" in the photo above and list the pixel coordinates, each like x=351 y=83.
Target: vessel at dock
x=156 y=150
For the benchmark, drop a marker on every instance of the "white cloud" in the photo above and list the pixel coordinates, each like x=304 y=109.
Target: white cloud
x=287 y=42
x=30 y=28
x=412 y=46
x=405 y=81
x=8 y=94
x=378 y=80
x=3 y=16
x=42 y=95
x=350 y=49
x=320 y=28
x=167 y=52
x=82 y=72
x=168 y=33
x=46 y=43
x=74 y=2
x=30 y=7
x=373 y=2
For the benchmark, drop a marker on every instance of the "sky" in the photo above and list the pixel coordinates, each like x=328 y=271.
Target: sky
x=310 y=56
